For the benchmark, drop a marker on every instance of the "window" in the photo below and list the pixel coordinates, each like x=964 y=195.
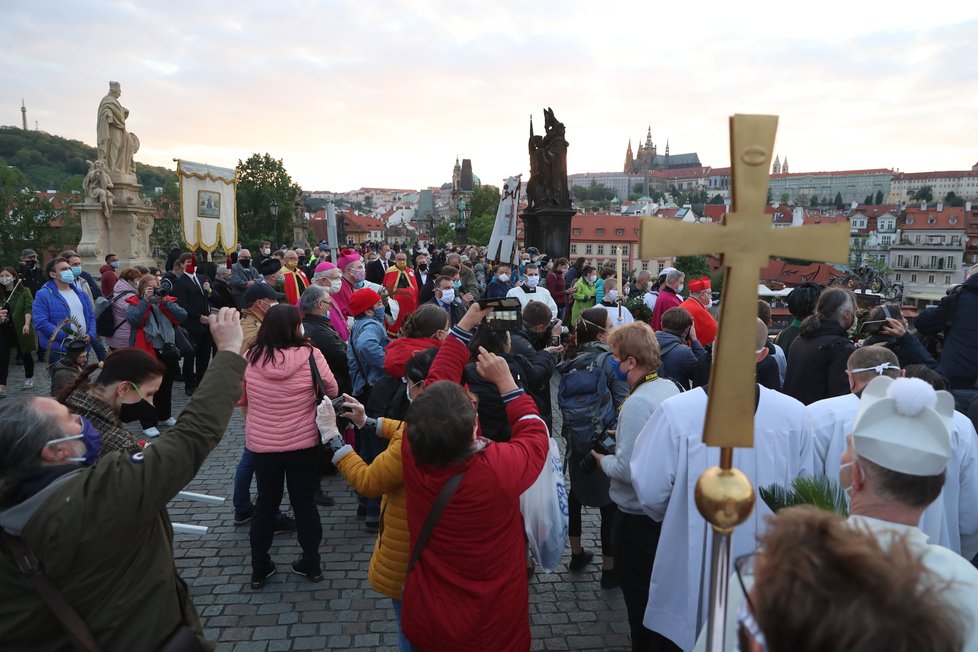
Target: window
x=933 y=262
x=600 y=231
x=600 y=247
x=645 y=267
x=953 y=219
x=950 y=262
x=899 y=277
x=913 y=278
x=909 y=220
x=930 y=279
x=573 y=249
x=916 y=239
x=932 y=220
x=619 y=231
x=947 y=279
x=577 y=232
x=624 y=250
x=916 y=262
x=587 y=249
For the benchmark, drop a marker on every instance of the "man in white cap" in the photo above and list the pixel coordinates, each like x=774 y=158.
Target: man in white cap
x=952 y=519
x=668 y=458
x=894 y=466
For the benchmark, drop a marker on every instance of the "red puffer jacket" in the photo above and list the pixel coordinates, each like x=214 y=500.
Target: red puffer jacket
x=400 y=350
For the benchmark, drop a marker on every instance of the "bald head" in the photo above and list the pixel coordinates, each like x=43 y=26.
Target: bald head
x=760 y=336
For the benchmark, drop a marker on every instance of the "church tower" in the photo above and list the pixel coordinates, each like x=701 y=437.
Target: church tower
x=23 y=112
x=629 y=158
x=457 y=176
x=784 y=167
x=776 y=168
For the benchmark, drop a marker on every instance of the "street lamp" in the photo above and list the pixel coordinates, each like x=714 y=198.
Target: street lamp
x=273 y=207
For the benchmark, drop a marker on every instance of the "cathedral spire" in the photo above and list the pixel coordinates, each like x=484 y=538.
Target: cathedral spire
x=784 y=167
x=648 y=137
x=629 y=158
x=776 y=168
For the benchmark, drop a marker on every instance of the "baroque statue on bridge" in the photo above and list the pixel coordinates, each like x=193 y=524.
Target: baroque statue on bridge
x=116 y=146
x=547 y=187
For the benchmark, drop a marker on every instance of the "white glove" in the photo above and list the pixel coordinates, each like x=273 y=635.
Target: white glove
x=326 y=421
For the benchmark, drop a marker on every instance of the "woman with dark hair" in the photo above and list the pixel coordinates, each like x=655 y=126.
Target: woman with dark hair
x=152 y=321
x=817 y=360
x=586 y=486
x=893 y=334
x=492 y=413
x=124 y=287
x=17 y=329
x=583 y=292
x=280 y=403
x=801 y=304
x=384 y=478
x=122 y=392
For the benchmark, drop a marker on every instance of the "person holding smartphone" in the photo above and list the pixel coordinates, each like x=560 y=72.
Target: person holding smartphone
x=887 y=326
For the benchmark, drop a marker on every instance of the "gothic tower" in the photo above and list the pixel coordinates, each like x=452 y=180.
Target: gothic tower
x=629 y=158
x=776 y=168
x=457 y=176
x=784 y=168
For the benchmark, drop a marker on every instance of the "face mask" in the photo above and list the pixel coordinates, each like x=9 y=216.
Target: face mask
x=326 y=314
x=67 y=276
x=267 y=251
x=845 y=477
x=503 y=278
x=401 y=264
x=359 y=274
x=302 y=330
x=680 y=288
x=379 y=313
x=245 y=262
x=616 y=367
x=532 y=281
x=143 y=409
x=29 y=264
x=591 y=279
x=456 y=284
x=68 y=438
x=611 y=295
x=114 y=264
x=447 y=296
x=291 y=264
x=6 y=280
x=387 y=256
x=423 y=267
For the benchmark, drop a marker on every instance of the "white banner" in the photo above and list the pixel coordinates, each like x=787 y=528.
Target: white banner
x=207 y=206
x=502 y=243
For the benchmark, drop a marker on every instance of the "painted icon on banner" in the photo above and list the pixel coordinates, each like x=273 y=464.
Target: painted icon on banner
x=208 y=204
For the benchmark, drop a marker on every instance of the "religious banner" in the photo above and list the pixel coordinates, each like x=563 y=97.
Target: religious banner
x=207 y=206
x=502 y=242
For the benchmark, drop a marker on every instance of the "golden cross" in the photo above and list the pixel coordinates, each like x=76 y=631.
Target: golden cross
x=745 y=241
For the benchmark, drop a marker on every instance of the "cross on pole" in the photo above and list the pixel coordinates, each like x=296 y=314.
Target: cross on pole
x=745 y=241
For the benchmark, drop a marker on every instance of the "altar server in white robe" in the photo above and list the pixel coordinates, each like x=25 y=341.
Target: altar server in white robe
x=951 y=520
x=669 y=457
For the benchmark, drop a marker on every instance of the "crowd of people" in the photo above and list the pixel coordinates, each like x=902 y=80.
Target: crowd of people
x=382 y=363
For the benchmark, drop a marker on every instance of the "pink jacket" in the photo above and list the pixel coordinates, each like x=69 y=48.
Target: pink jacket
x=281 y=401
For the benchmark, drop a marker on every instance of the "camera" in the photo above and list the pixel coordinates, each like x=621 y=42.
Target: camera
x=602 y=443
x=164 y=288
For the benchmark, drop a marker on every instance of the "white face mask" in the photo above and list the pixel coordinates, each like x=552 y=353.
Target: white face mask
x=503 y=278
x=302 y=330
x=335 y=285
x=680 y=288
x=532 y=281
x=611 y=295
x=68 y=438
x=447 y=296
x=6 y=280
x=267 y=251
x=592 y=279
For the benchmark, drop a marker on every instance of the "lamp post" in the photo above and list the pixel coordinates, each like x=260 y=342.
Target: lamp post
x=273 y=208
x=462 y=223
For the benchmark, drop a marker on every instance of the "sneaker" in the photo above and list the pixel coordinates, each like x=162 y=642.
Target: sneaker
x=579 y=560
x=169 y=423
x=312 y=572
x=321 y=498
x=240 y=518
x=284 y=523
x=29 y=383
x=260 y=577
x=152 y=432
x=609 y=579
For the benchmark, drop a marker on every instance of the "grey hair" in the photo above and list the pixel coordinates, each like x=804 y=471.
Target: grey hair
x=24 y=432
x=674 y=276
x=222 y=272
x=311 y=296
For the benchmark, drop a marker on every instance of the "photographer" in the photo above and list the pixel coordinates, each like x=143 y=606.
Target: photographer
x=535 y=342
x=634 y=534
x=152 y=316
x=886 y=325
x=591 y=384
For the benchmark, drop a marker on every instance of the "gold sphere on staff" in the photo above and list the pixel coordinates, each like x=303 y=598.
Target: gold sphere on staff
x=725 y=497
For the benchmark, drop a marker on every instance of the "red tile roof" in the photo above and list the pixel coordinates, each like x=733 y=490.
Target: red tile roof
x=949 y=174
x=609 y=224
x=916 y=219
x=834 y=173
x=788 y=274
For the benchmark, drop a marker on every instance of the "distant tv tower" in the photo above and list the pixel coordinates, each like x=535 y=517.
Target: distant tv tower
x=23 y=113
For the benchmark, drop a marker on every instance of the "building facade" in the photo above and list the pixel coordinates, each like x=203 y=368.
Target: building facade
x=963 y=183
x=852 y=185
x=928 y=252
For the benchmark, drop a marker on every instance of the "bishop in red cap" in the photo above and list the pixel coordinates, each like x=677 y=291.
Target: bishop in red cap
x=700 y=298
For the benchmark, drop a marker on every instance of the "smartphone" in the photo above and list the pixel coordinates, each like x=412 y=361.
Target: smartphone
x=507 y=313
x=873 y=326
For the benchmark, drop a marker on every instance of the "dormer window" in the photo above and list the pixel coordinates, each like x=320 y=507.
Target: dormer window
x=600 y=231
x=619 y=231
x=932 y=220
x=909 y=220
x=577 y=232
x=953 y=219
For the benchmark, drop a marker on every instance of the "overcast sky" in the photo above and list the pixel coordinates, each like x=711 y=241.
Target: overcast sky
x=388 y=92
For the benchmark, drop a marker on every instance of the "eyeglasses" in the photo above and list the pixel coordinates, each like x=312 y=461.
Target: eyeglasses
x=744 y=565
x=747 y=625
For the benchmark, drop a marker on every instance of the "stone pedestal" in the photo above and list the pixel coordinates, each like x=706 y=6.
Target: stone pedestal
x=300 y=237
x=125 y=232
x=548 y=229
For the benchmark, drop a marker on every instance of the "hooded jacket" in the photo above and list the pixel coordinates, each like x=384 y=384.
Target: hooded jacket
x=817 y=363
x=281 y=401
x=50 y=309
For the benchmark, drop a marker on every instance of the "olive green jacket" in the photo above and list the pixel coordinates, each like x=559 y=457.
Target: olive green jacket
x=20 y=305
x=103 y=536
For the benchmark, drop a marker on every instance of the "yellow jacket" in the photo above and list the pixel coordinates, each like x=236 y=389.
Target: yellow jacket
x=384 y=477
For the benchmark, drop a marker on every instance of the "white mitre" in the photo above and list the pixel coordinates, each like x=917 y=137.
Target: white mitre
x=904 y=425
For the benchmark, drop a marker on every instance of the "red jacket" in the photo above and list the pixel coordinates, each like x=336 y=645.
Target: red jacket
x=468 y=590
x=667 y=299
x=703 y=321
x=557 y=288
x=402 y=349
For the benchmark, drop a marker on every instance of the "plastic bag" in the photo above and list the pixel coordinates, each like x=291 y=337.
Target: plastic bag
x=545 y=511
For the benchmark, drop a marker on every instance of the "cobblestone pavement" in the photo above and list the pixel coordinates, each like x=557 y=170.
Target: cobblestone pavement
x=568 y=611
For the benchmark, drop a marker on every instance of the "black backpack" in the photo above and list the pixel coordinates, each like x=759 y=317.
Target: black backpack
x=105 y=325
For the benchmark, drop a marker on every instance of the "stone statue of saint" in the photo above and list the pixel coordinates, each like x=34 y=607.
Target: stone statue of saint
x=547 y=186
x=116 y=146
x=97 y=184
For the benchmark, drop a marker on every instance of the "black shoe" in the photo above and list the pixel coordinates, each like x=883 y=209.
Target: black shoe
x=609 y=579
x=580 y=560
x=321 y=498
x=260 y=577
x=240 y=518
x=361 y=512
x=283 y=523
x=312 y=572
x=372 y=526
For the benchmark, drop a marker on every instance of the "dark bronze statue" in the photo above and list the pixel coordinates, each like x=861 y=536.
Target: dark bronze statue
x=547 y=187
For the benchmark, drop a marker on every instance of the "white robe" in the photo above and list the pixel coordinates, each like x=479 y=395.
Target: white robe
x=668 y=459
x=541 y=294
x=951 y=520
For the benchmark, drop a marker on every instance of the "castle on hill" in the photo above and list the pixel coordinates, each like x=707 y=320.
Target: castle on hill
x=648 y=159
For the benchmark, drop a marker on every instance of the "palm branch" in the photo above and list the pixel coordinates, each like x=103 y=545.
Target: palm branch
x=818 y=491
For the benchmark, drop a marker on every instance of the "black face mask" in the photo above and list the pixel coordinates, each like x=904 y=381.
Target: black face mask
x=245 y=262
x=29 y=264
x=130 y=412
x=423 y=267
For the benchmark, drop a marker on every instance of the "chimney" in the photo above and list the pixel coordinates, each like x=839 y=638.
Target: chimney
x=967 y=206
x=923 y=205
x=940 y=206
x=854 y=204
x=798 y=216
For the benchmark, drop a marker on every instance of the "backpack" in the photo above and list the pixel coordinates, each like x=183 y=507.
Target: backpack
x=105 y=325
x=586 y=404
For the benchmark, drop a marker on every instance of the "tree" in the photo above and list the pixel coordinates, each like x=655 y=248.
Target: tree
x=868 y=200
x=924 y=194
x=838 y=200
x=485 y=200
x=785 y=197
x=262 y=180
x=717 y=199
x=692 y=266
x=444 y=233
x=769 y=197
x=26 y=220
x=879 y=197
x=368 y=201
x=814 y=201
x=638 y=189
x=801 y=200
x=480 y=229
x=952 y=199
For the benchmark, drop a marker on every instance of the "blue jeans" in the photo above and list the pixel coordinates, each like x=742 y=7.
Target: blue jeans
x=403 y=644
x=242 y=482
x=371 y=446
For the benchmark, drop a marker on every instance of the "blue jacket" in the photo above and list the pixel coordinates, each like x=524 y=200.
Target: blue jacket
x=365 y=355
x=497 y=288
x=50 y=309
x=959 y=357
x=680 y=362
